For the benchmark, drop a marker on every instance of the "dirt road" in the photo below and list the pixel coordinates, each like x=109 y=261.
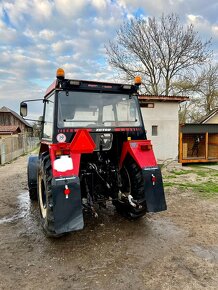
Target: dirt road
x=176 y=249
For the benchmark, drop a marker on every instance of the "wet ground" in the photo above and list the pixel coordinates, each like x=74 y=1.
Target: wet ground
x=176 y=249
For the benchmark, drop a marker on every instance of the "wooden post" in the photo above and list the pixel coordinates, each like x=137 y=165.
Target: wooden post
x=206 y=146
x=180 y=147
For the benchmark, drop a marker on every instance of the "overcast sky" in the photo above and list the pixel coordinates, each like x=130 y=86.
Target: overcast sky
x=38 y=36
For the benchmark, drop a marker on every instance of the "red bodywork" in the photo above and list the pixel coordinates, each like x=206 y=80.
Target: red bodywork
x=81 y=143
x=141 y=151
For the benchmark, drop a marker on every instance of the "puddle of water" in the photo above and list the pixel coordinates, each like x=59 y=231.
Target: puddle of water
x=209 y=254
x=23 y=209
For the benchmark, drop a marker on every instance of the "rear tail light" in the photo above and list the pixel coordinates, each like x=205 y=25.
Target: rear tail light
x=145 y=147
x=58 y=153
x=62 y=152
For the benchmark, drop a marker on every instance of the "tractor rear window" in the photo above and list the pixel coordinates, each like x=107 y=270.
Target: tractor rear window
x=88 y=109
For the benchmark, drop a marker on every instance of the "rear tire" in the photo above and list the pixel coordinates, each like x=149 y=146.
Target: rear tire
x=133 y=184
x=33 y=194
x=32 y=169
x=45 y=197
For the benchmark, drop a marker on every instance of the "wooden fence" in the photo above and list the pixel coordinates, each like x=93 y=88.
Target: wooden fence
x=15 y=146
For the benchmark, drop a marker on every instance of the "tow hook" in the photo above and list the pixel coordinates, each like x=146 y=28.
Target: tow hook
x=130 y=198
x=94 y=212
x=133 y=202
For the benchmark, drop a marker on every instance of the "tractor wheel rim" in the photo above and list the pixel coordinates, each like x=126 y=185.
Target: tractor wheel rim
x=41 y=203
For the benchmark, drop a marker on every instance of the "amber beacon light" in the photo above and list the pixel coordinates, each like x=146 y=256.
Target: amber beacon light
x=60 y=73
x=138 y=80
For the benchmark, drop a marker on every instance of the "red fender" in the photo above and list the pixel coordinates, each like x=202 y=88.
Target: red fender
x=141 y=151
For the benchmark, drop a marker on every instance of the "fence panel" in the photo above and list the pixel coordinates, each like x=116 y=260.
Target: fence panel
x=14 y=146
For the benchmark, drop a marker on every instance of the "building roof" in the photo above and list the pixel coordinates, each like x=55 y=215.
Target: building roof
x=209 y=116
x=199 y=128
x=9 y=129
x=150 y=98
x=7 y=110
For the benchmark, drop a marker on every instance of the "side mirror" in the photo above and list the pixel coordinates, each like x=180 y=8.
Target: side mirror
x=23 y=109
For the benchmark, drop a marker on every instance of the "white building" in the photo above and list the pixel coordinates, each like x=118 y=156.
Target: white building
x=161 y=120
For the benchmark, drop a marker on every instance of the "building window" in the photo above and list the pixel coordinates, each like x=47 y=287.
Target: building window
x=147 y=105
x=154 y=131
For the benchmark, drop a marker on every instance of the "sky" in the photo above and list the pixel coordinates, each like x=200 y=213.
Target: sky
x=38 y=36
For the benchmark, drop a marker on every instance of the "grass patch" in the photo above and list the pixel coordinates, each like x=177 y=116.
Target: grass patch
x=203 y=181
x=199 y=172
x=169 y=184
x=205 y=190
x=169 y=176
x=202 y=173
x=181 y=172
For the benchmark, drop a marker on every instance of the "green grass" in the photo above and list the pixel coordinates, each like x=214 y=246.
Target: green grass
x=207 y=189
x=166 y=183
x=197 y=171
x=205 y=183
x=181 y=172
x=202 y=173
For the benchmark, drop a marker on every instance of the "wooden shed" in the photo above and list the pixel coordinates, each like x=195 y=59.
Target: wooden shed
x=9 y=119
x=198 y=143
x=9 y=130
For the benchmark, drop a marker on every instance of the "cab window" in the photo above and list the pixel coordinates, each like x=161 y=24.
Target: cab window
x=49 y=118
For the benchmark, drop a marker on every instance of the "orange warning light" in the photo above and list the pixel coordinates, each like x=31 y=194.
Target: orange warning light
x=60 y=73
x=138 y=80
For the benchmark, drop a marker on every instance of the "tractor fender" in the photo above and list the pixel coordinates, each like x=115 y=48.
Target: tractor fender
x=32 y=169
x=153 y=189
x=68 y=214
x=142 y=153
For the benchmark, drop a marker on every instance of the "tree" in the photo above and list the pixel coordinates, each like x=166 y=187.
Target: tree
x=160 y=50
x=207 y=87
x=203 y=92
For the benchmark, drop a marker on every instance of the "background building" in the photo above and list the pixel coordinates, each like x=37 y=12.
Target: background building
x=12 y=123
x=199 y=142
x=161 y=120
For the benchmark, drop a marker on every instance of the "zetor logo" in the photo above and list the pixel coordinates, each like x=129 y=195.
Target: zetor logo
x=104 y=129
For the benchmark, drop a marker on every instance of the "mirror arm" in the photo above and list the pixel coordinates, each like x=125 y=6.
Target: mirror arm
x=32 y=100
x=42 y=122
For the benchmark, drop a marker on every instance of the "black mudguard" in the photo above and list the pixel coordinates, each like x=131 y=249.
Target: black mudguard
x=154 y=192
x=68 y=215
x=32 y=169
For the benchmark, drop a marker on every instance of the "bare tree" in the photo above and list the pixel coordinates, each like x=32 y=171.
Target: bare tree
x=203 y=92
x=207 y=87
x=160 y=50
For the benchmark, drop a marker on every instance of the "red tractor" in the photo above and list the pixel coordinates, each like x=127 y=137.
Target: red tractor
x=93 y=150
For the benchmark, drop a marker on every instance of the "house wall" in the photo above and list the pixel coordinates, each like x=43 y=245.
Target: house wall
x=213 y=120
x=164 y=115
